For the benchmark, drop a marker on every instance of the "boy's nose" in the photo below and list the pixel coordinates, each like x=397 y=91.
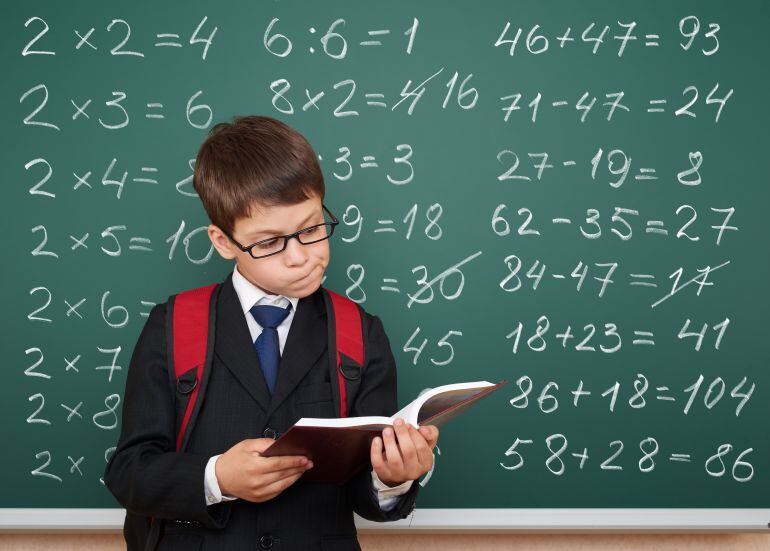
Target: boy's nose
x=295 y=251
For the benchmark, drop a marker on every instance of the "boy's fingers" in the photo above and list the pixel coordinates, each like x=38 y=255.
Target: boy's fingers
x=392 y=455
x=430 y=433
x=279 y=485
x=421 y=444
x=379 y=465
x=406 y=443
x=375 y=453
x=283 y=462
x=276 y=476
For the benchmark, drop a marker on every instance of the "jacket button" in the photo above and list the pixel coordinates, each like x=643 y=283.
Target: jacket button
x=270 y=433
x=266 y=542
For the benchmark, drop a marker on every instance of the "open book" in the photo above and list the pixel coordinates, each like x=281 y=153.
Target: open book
x=340 y=447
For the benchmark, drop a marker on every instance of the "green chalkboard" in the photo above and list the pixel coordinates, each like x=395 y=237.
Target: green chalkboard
x=568 y=195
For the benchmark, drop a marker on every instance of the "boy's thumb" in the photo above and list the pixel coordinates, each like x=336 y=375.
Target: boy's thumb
x=430 y=432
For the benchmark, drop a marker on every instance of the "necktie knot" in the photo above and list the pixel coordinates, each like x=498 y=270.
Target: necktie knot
x=269 y=317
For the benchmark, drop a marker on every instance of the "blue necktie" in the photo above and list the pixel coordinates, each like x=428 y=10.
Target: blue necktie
x=267 y=345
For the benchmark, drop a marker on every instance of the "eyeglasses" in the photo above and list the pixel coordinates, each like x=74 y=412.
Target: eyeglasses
x=277 y=244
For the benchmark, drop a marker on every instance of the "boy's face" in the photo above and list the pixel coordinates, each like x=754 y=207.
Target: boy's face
x=295 y=272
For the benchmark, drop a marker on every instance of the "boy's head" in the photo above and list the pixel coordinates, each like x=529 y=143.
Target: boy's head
x=258 y=178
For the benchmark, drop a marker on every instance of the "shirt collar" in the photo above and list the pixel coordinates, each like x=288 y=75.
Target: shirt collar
x=249 y=294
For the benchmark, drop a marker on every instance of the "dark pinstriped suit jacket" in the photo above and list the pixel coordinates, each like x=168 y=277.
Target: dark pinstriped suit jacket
x=150 y=479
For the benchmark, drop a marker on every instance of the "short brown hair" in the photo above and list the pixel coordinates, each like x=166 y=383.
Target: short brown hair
x=254 y=159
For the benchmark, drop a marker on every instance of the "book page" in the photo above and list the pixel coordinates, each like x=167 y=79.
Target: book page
x=409 y=412
x=440 y=402
x=362 y=422
x=414 y=411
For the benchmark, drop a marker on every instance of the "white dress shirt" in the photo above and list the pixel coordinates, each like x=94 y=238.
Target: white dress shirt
x=249 y=295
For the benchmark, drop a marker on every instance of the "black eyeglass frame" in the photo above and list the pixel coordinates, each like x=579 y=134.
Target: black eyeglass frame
x=286 y=238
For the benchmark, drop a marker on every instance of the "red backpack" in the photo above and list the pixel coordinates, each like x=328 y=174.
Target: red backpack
x=190 y=327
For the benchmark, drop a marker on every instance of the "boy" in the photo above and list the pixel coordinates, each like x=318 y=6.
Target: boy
x=260 y=183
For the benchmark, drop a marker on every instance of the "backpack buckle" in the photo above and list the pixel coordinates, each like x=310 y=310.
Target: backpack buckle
x=187 y=382
x=349 y=369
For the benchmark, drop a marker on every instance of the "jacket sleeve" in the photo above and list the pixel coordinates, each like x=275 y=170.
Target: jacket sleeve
x=377 y=395
x=145 y=474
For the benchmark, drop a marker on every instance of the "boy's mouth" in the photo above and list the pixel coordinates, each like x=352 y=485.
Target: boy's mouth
x=303 y=278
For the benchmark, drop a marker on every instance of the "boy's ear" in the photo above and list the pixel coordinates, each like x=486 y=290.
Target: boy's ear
x=223 y=245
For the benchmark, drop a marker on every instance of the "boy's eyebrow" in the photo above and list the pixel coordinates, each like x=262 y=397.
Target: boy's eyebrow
x=273 y=232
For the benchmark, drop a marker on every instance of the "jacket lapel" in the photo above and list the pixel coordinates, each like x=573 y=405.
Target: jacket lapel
x=234 y=347
x=306 y=341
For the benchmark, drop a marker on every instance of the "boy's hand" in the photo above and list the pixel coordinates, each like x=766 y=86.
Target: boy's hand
x=243 y=472
x=407 y=455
